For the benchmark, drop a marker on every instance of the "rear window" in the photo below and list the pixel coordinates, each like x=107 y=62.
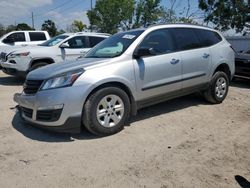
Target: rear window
x=207 y=38
x=37 y=36
x=94 y=41
x=185 y=38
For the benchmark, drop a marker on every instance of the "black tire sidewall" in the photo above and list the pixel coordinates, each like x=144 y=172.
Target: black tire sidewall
x=94 y=125
x=216 y=76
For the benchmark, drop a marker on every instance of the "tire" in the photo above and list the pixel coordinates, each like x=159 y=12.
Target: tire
x=37 y=65
x=111 y=104
x=218 y=88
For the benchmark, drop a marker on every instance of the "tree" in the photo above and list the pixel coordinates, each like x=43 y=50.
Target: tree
x=78 y=26
x=225 y=14
x=49 y=26
x=23 y=26
x=108 y=14
x=10 y=28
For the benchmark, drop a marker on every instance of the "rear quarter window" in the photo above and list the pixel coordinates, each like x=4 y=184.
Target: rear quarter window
x=37 y=36
x=207 y=38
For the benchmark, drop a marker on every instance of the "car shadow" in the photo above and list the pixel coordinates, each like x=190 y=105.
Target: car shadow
x=242 y=181
x=38 y=134
x=241 y=83
x=42 y=135
x=11 y=81
x=169 y=106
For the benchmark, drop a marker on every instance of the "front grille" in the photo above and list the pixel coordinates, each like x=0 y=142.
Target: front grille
x=3 y=57
x=31 y=86
x=48 y=115
x=27 y=112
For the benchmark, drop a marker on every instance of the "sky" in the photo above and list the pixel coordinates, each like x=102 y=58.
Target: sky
x=62 y=12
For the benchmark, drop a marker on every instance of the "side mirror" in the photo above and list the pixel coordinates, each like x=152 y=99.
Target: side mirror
x=8 y=40
x=141 y=52
x=64 y=45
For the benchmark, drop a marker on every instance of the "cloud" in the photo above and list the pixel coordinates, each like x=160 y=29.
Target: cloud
x=14 y=9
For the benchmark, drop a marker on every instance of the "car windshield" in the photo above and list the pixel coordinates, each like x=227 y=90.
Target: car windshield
x=115 y=45
x=54 y=40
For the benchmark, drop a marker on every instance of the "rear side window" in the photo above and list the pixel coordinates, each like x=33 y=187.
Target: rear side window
x=185 y=38
x=17 y=37
x=161 y=41
x=37 y=36
x=207 y=38
x=94 y=41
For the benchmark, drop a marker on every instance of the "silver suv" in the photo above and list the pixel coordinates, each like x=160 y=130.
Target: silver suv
x=124 y=73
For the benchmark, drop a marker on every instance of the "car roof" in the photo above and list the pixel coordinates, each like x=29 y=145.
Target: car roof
x=88 y=34
x=186 y=25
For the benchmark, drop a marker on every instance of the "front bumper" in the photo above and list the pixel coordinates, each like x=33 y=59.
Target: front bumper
x=57 y=109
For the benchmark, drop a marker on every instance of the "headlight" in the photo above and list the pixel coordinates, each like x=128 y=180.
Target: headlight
x=23 y=54
x=64 y=80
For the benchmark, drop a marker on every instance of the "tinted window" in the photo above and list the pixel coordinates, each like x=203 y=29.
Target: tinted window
x=94 y=41
x=37 y=36
x=17 y=37
x=207 y=38
x=77 y=42
x=115 y=45
x=185 y=38
x=161 y=41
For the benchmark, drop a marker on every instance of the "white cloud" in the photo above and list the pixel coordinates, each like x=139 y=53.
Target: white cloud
x=12 y=10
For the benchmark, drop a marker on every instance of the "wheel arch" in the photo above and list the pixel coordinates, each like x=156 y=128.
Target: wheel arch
x=224 y=67
x=120 y=85
x=48 y=60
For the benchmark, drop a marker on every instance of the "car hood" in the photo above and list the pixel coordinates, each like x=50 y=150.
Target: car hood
x=60 y=68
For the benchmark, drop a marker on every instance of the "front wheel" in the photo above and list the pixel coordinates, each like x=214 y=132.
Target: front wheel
x=218 y=88
x=106 y=111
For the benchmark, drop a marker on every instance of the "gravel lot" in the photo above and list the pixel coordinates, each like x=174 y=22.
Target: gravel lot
x=181 y=143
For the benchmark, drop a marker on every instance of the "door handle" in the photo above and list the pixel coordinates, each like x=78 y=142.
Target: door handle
x=83 y=52
x=174 y=61
x=205 y=55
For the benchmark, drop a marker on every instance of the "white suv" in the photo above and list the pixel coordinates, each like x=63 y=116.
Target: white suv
x=65 y=47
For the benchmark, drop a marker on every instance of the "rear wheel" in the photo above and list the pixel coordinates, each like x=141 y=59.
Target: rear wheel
x=218 y=88
x=106 y=111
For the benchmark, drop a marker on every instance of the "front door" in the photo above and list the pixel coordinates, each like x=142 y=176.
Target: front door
x=77 y=46
x=160 y=73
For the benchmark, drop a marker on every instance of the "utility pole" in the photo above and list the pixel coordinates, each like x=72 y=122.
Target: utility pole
x=91 y=7
x=32 y=17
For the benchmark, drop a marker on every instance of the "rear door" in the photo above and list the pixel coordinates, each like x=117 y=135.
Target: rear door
x=160 y=73
x=195 y=57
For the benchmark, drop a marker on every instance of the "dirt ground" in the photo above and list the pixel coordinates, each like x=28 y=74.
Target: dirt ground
x=182 y=143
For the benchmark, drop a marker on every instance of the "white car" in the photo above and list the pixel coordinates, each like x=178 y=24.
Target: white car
x=22 y=38
x=65 y=47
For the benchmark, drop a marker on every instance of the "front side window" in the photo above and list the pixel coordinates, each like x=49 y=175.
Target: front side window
x=186 y=38
x=160 y=41
x=115 y=45
x=77 y=42
x=17 y=37
x=37 y=36
x=54 y=41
